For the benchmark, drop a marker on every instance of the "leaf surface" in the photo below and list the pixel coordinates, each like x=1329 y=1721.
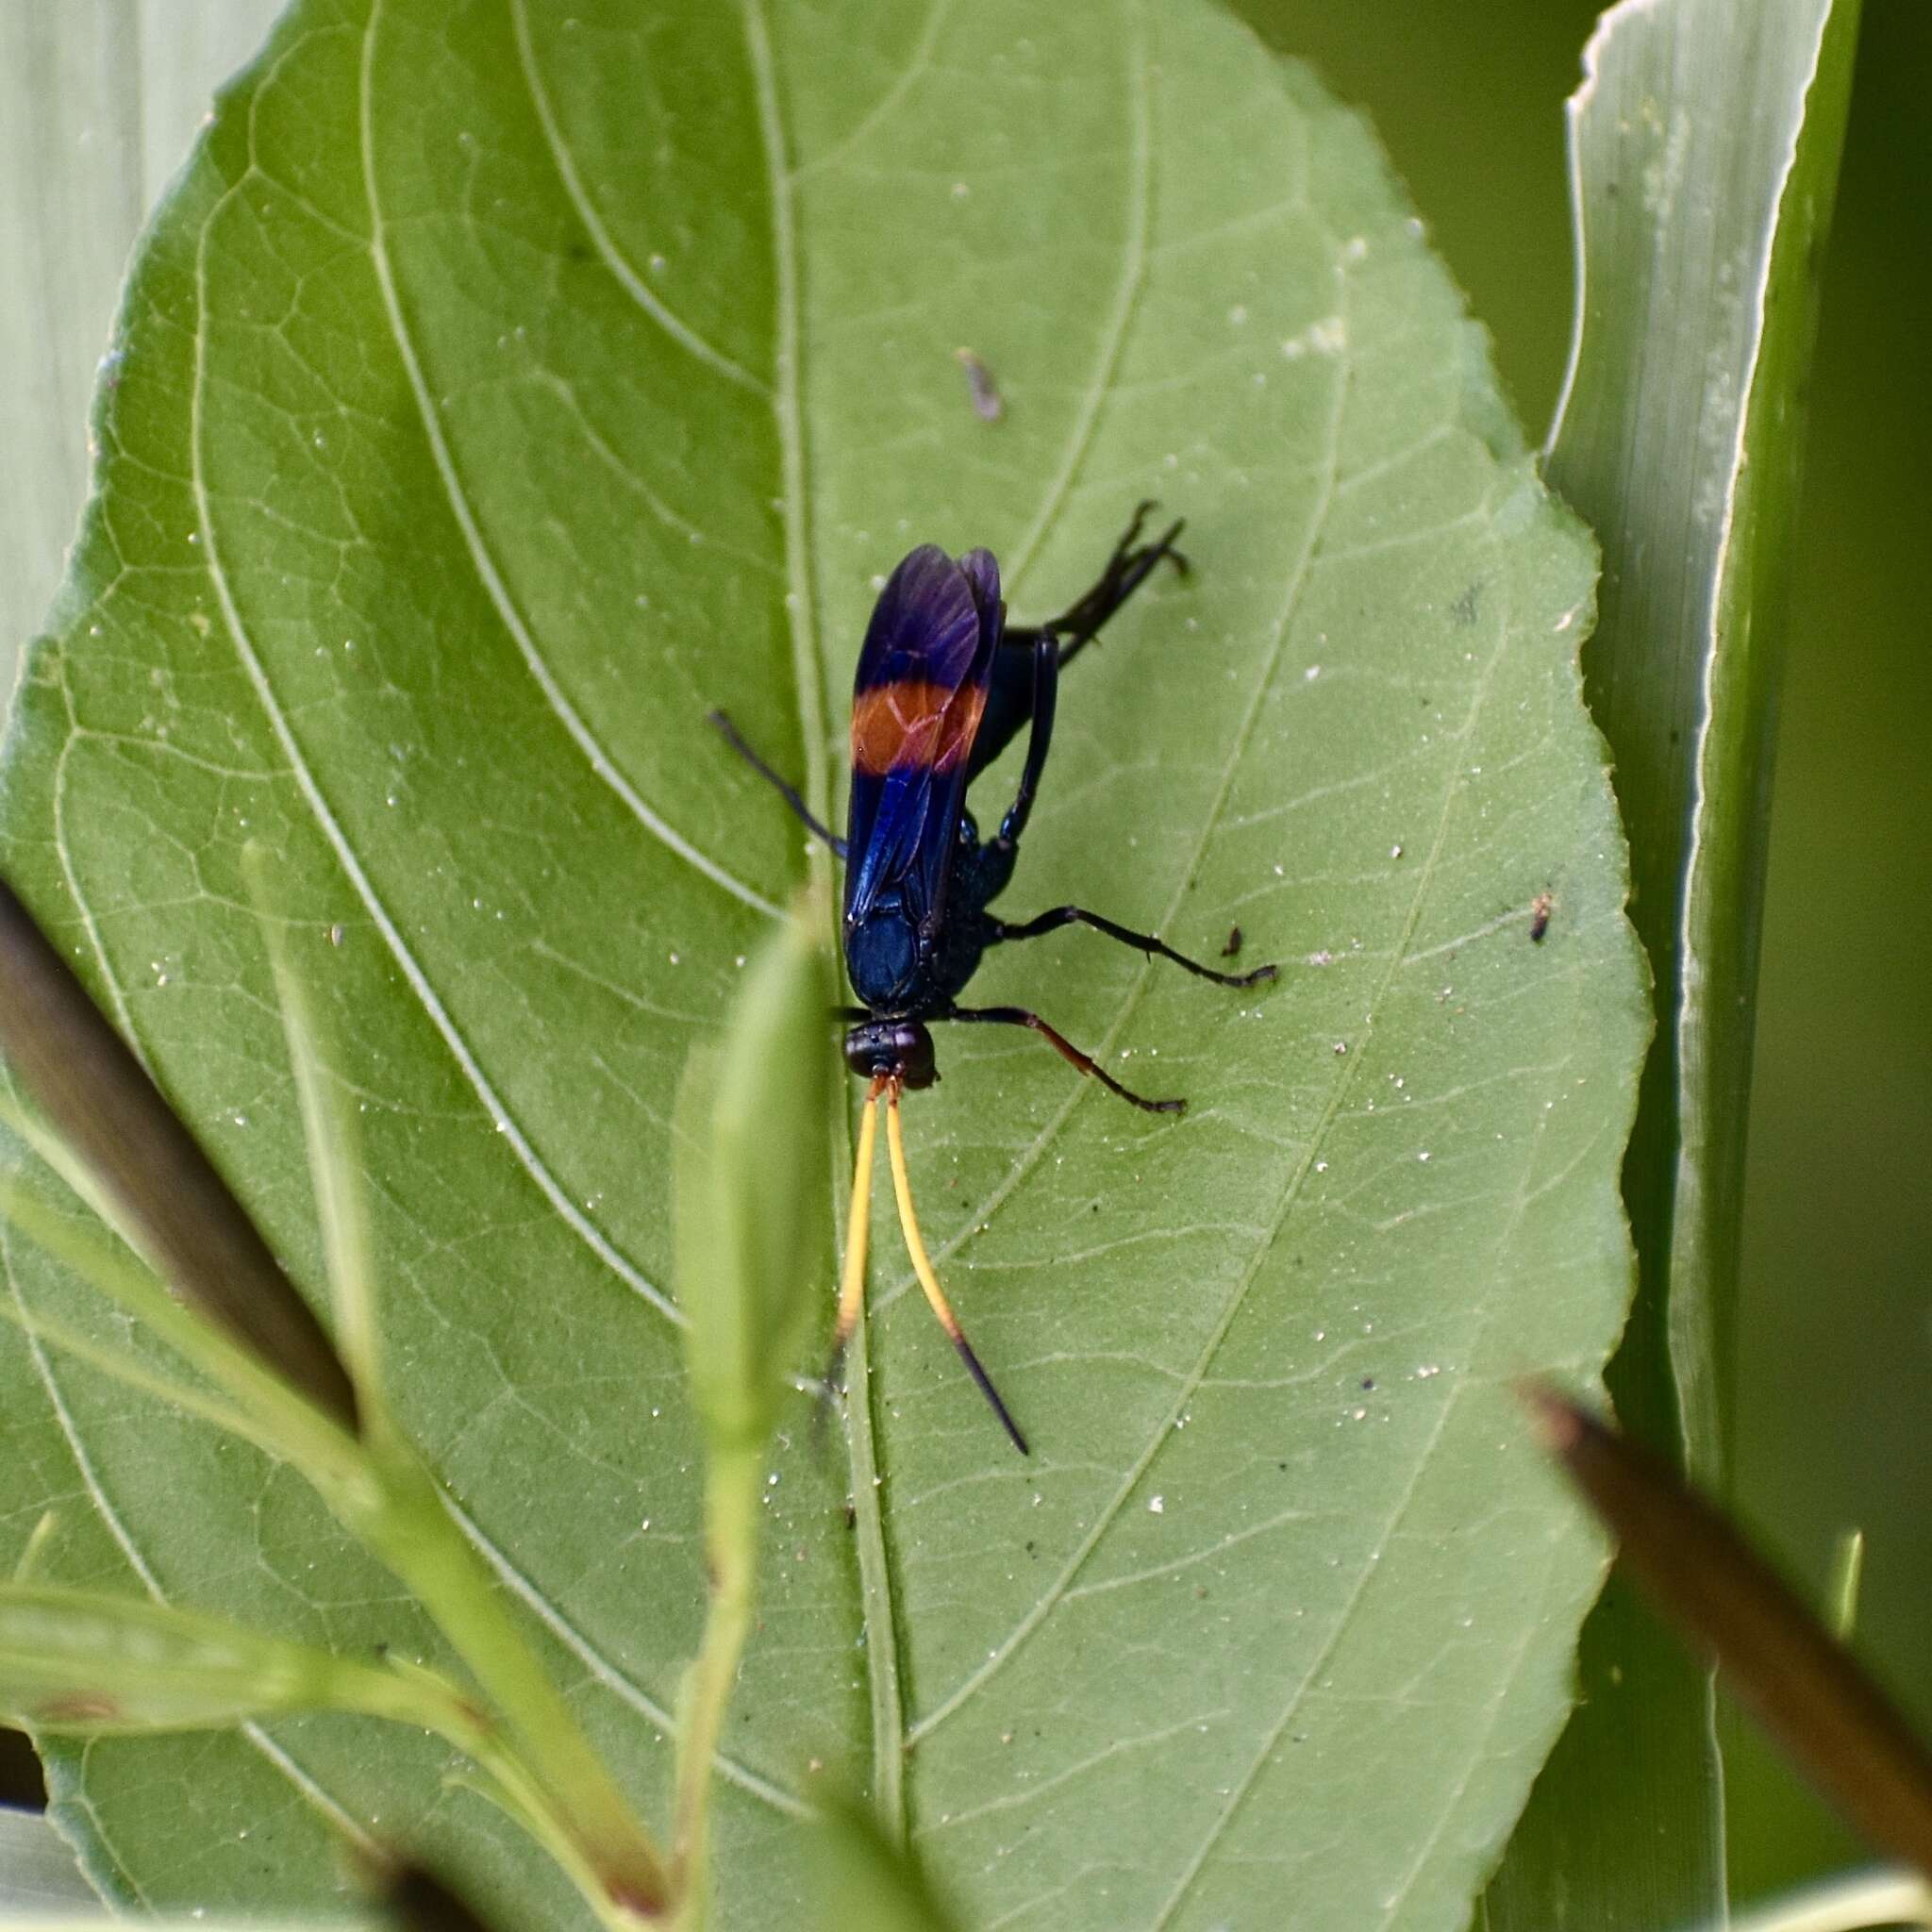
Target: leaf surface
x=500 y=392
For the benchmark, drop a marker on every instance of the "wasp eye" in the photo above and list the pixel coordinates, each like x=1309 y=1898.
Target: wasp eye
x=864 y=1051
x=912 y=1051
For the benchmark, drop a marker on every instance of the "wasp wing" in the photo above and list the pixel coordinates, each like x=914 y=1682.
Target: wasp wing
x=916 y=705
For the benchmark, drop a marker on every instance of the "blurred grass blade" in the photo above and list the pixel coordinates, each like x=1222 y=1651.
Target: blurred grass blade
x=753 y=1220
x=86 y=1661
x=268 y=1413
x=328 y=1133
x=152 y=1170
x=862 y=1879
x=35 y=1547
x=128 y=1369
x=1839 y=1728
x=1704 y=145
x=415 y=1899
x=753 y=1235
x=404 y=1519
x=1841 y=1588
x=1845 y=1905
x=1678 y=437
x=93 y=1664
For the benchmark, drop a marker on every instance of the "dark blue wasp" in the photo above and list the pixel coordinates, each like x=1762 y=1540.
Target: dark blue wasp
x=943 y=687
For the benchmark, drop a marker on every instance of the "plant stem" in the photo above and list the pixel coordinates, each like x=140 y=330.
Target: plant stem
x=403 y=1520
x=731 y=1535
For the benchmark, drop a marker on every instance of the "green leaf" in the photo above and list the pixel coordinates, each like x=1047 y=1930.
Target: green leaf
x=80 y=1660
x=1705 y=144
x=498 y=393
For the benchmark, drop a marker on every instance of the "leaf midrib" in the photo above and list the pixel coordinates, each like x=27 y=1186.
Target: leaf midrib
x=877 y=1598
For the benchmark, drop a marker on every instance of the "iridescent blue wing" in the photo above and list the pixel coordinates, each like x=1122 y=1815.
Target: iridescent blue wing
x=916 y=705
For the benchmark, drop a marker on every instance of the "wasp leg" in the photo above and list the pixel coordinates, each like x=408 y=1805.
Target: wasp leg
x=788 y=792
x=1077 y=915
x=1123 y=573
x=1010 y=694
x=1046 y=673
x=1019 y=1016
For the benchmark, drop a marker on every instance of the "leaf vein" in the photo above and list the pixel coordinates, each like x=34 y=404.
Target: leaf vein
x=481 y=559
x=917 y=63
x=1297 y=579
x=1127 y=301
x=331 y=828
x=605 y=1672
x=1243 y=1788
x=609 y=252
x=880 y=1611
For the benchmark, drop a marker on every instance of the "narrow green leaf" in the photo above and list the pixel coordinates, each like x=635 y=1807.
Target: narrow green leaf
x=329 y=1134
x=499 y=394
x=1704 y=143
x=261 y=1404
x=1850 y=1903
x=79 y=1660
x=1842 y=1589
x=1727 y=1602
x=158 y=1180
x=754 y=1233
x=864 y=1879
x=76 y=1663
x=754 y=1219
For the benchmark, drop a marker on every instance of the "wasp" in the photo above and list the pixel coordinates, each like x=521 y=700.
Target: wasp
x=943 y=686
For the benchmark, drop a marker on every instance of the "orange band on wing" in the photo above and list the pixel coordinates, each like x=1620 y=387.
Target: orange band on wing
x=912 y=723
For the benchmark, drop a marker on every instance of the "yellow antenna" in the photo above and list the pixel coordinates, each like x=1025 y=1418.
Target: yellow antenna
x=852 y=1283
x=909 y=1220
x=884 y=1095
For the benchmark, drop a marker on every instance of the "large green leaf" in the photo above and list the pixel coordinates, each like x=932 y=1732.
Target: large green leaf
x=499 y=391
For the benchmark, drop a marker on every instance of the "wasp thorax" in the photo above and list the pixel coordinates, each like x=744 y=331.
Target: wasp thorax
x=900 y=1050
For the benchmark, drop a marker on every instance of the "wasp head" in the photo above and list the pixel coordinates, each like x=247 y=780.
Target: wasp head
x=898 y=1050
